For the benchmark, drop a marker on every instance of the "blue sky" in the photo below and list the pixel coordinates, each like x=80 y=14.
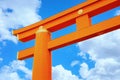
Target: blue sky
x=92 y=59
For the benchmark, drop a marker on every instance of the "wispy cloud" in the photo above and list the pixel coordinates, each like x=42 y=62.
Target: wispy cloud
x=11 y=71
x=117 y=13
x=15 y=14
x=74 y=63
x=1 y=59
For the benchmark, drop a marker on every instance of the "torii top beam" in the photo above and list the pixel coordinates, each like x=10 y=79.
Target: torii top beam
x=66 y=18
x=89 y=32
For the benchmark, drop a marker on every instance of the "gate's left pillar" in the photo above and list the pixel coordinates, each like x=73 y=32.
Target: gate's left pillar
x=42 y=56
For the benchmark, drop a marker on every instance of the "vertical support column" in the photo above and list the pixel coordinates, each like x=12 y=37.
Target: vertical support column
x=83 y=21
x=42 y=56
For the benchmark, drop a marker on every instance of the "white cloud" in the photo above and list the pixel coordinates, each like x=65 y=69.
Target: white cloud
x=20 y=65
x=104 y=46
x=105 y=69
x=59 y=73
x=17 y=13
x=84 y=70
x=74 y=63
x=11 y=71
x=105 y=51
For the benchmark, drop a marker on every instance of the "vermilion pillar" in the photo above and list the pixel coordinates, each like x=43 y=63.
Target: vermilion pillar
x=42 y=56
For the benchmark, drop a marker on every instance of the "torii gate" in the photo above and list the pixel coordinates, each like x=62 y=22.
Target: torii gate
x=42 y=30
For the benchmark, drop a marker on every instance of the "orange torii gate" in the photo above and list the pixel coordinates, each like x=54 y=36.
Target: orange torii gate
x=41 y=31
